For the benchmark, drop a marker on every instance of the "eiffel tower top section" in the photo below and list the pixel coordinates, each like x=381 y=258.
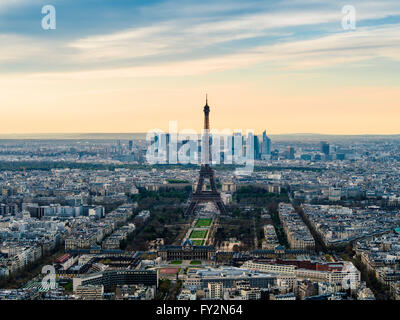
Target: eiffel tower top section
x=206 y=149
x=206 y=115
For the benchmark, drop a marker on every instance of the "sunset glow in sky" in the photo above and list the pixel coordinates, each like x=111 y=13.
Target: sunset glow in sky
x=286 y=66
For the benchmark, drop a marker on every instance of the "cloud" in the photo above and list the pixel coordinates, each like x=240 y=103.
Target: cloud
x=184 y=35
x=362 y=44
x=17 y=48
x=130 y=43
x=365 y=44
x=185 y=43
x=9 y=4
x=151 y=41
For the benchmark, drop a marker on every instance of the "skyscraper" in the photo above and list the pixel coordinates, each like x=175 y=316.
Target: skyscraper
x=235 y=148
x=325 y=148
x=266 y=144
x=290 y=153
x=161 y=147
x=250 y=150
x=257 y=153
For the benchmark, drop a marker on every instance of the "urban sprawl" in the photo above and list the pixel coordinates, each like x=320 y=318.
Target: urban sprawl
x=316 y=219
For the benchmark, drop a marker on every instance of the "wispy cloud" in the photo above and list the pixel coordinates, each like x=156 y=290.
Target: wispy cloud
x=9 y=4
x=365 y=44
x=19 y=48
x=198 y=38
x=130 y=43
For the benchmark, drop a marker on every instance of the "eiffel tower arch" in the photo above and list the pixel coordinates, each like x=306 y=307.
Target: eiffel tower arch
x=206 y=173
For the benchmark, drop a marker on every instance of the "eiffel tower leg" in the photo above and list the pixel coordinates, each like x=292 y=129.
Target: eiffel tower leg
x=212 y=183
x=221 y=207
x=200 y=185
x=191 y=208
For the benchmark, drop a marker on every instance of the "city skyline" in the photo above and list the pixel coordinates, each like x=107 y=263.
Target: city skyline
x=289 y=65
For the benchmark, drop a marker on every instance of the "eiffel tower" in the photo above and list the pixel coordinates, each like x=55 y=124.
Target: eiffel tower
x=206 y=172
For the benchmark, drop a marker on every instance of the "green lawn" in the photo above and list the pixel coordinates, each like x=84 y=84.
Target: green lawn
x=203 y=223
x=176 y=262
x=67 y=286
x=198 y=234
x=195 y=262
x=198 y=242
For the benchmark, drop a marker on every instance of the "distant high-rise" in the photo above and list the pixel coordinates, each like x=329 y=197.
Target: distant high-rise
x=161 y=146
x=257 y=153
x=237 y=144
x=252 y=147
x=118 y=148
x=235 y=147
x=266 y=144
x=130 y=145
x=325 y=148
x=289 y=154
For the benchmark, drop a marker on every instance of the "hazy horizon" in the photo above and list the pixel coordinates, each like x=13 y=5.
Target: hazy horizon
x=142 y=135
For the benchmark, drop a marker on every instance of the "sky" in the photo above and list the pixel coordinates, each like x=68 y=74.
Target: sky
x=115 y=66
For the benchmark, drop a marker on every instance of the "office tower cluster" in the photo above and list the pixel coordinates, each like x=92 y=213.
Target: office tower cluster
x=325 y=150
x=235 y=148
